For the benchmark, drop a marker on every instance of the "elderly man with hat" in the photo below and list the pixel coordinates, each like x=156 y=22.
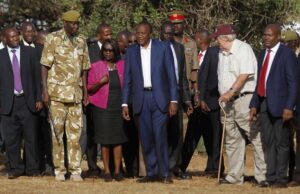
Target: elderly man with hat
x=237 y=73
x=65 y=63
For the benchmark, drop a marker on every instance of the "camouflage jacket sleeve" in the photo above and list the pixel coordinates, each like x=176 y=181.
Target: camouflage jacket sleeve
x=86 y=65
x=48 y=52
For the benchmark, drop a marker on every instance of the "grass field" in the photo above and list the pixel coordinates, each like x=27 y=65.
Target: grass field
x=198 y=185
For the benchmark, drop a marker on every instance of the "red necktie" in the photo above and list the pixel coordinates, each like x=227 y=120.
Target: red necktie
x=200 y=56
x=261 y=89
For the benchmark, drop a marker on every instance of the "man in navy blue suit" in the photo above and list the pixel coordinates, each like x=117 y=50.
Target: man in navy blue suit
x=274 y=99
x=150 y=79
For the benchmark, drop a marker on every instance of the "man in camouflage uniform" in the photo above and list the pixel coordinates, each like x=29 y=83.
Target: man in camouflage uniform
x=65 y=63
x=190 y=47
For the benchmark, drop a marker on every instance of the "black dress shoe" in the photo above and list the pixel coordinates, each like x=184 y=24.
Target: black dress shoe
x=34 y=174
x=146 y=179
x=224 y=181
x=294 y=184
x=263 y=184
x=94 y=173
x=166 y=180
x=182 y=175
x=119 y=177
x=107 y=177
x=12 y=175
x=279 y=185
x=48 y=171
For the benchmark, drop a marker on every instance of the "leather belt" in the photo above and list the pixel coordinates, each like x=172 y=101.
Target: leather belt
x=148 y=89
x=19 y=95
x=241 y=95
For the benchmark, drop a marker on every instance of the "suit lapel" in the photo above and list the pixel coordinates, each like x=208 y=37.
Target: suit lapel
x=274 y=63
x=178 y=55
x=7 y=59
x=22 y=61
x=153 y=56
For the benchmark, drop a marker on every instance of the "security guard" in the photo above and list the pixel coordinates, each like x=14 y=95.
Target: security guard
x=291 y=39
x=65 y=62
x=190 y=47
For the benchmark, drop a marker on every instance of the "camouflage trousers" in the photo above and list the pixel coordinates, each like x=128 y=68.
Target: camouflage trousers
x=66 y=118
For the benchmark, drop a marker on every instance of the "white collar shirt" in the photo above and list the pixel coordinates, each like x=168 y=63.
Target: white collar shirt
x=27 y=44
x=146 y=64
x=202 y=57
x=99 y=44
x=239 y=60
x=271 y=59
x=175 y=62
x=1 y=45
x=18 y=51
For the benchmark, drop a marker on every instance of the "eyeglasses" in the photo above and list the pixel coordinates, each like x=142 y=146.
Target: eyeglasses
x=108 y=50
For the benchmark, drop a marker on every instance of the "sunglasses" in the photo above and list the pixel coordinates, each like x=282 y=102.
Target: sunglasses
x=108 y=50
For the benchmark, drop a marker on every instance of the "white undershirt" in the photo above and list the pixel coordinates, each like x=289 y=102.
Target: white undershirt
x=175 y=62
x=146 y=64
x=201 y=60
x=271 y=59
x=11 y=60
x=99 y=44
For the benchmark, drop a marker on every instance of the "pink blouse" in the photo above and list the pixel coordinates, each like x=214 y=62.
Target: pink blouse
x=97 y=71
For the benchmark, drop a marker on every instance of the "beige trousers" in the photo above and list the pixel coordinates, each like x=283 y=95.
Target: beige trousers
x=66 y=118
x=238 y=128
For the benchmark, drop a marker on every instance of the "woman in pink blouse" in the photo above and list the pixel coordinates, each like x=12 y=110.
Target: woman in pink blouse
x=105 y=81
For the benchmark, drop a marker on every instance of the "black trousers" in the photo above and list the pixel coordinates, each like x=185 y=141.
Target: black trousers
x=2 y=147
x=276 y=136
x=91 y=149
x=131 y=147
x=175 y=139
x=21 y=123
x=44 y=141
x=207 y=125
x=296 y=162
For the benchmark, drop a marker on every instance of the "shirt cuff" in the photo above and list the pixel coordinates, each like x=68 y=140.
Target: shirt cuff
x=174 y=101
x=124 y=105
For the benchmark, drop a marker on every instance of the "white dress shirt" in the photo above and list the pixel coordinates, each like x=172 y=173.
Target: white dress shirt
x=201 y=60
x=146 y=64
x=175 y=62
x=99 y=44
x=239 y=60
x=271 y=59
x=1 y=45
x=27 y=44
x=11 y=59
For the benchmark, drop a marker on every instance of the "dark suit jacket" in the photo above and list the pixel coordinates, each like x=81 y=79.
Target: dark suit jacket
x=94 y=52
x=282 y=83
x=39 y=50
x=184 y=92
x=208 y=78
x=163 y=78
x=30 y=76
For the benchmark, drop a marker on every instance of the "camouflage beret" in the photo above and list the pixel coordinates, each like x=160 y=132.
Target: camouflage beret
x=71 y=16
x=289 y=35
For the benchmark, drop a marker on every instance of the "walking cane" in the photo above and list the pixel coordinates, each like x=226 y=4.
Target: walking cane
x=222 y=140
